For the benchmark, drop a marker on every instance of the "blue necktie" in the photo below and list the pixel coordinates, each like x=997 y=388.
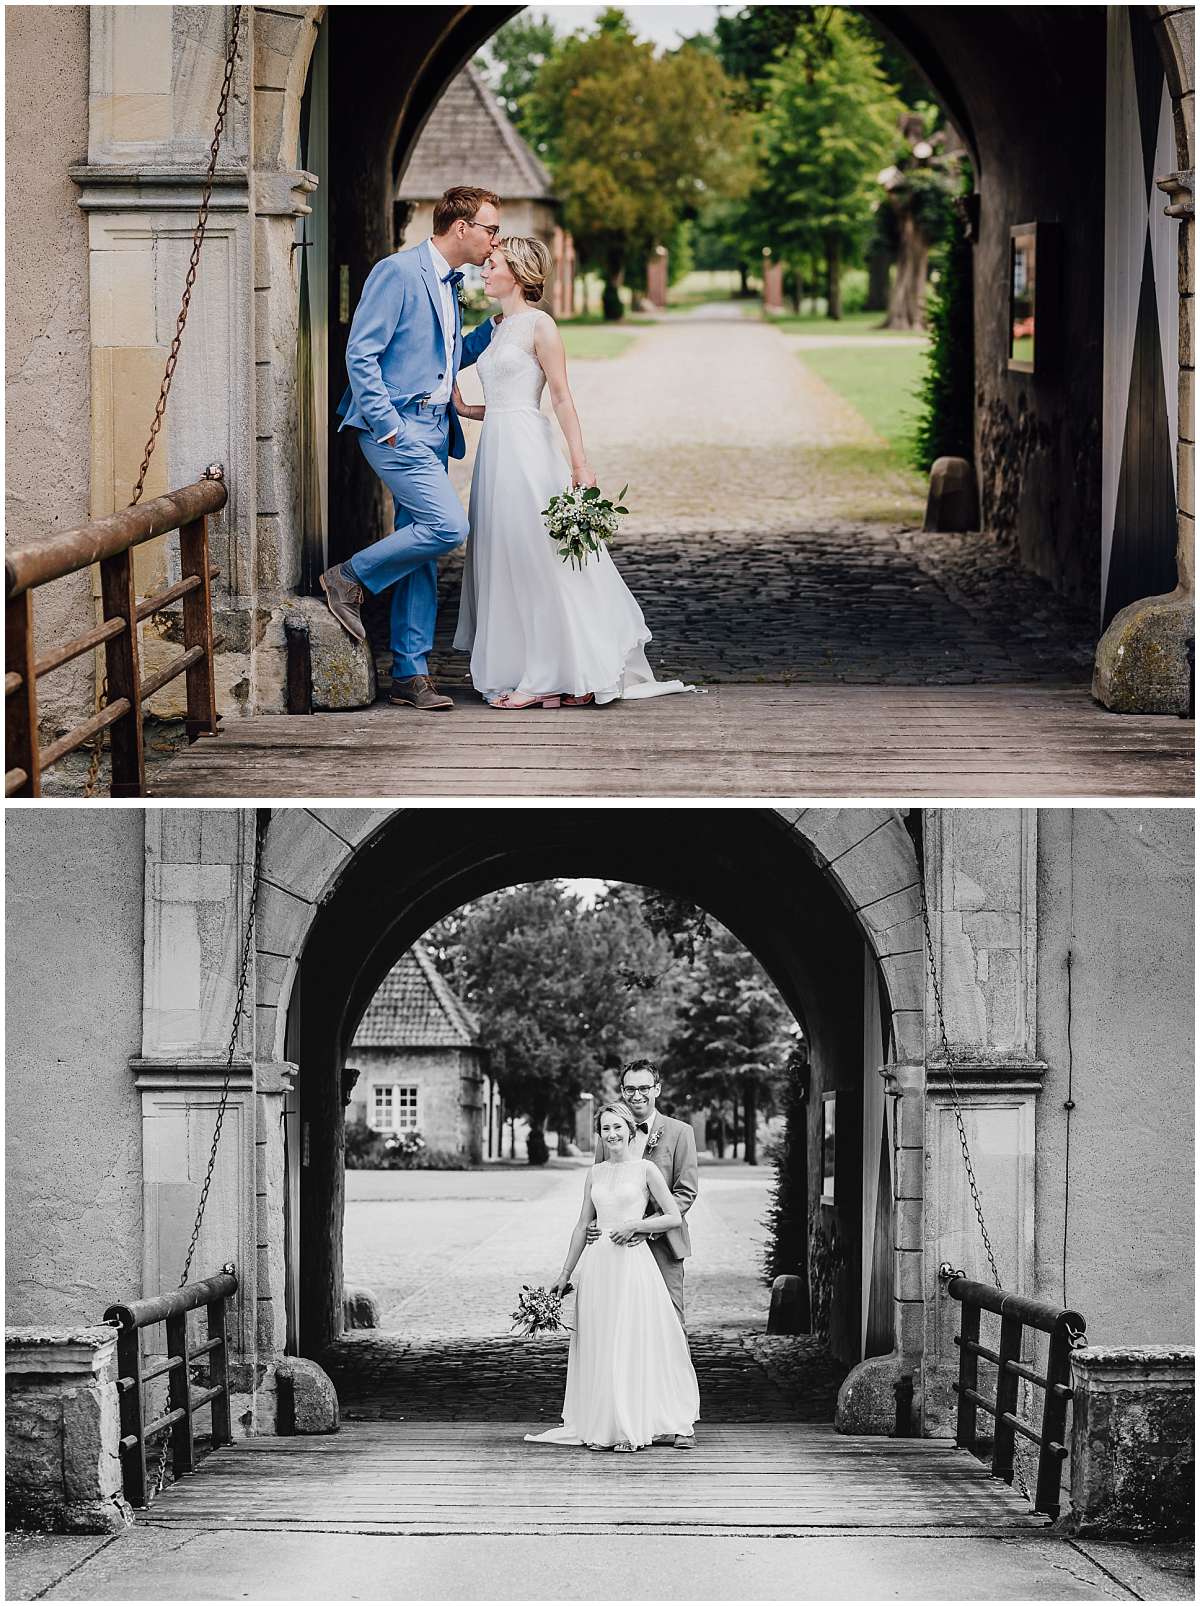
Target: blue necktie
x=453 y=277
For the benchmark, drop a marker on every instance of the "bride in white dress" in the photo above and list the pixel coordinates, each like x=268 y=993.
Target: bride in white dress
x=630 y=1378
x=539 y=632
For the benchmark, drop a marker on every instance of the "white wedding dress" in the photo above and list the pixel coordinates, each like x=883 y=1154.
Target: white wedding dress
x=630 y=1377
x=532 y=624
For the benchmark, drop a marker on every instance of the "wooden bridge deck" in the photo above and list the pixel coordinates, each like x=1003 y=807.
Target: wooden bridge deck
x=480 y=1478
x=728 y=741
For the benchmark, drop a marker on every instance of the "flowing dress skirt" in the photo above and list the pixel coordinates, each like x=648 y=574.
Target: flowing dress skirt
x=630 y=1377
x=532 y=624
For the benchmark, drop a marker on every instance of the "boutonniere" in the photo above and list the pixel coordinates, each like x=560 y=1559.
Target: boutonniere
x=460 y=293
x=651 y=1141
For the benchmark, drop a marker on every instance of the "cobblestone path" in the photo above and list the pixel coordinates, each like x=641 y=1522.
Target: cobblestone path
x=772 y=538
x=744 y=1377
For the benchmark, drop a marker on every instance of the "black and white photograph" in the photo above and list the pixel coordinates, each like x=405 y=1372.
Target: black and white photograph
x=534 y=1204
x=599 y=833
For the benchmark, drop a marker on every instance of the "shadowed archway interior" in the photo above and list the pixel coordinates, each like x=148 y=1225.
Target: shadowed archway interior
x=753 y=872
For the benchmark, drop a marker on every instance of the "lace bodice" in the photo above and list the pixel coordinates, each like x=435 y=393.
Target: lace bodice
x=511 y=375
x=619 y=1192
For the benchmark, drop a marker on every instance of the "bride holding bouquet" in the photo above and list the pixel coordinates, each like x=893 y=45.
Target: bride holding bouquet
x=540 y=633
x=630 y=1378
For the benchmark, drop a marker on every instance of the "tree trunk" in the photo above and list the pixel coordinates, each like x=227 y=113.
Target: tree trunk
x=750 y=1108
x=833 y=276
x=797 y=291
x=720 y=1137
x=614 y=275
x=744 y=275
x=512 y=1137
x=906 y=305
x=879 y=267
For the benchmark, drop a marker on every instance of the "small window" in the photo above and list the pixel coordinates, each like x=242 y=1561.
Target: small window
x=384 y=1116
x=406 y=1109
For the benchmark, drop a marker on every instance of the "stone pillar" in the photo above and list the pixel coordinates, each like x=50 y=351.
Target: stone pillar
x=656 y=277
x=196 y=889
x=155 y=80
x=982 y=890
x=63 y=1430
x=1133 y=1442
x=772 y=285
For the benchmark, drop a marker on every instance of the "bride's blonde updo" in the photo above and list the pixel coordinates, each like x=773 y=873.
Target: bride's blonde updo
x=615 y=1107
x=529 y=262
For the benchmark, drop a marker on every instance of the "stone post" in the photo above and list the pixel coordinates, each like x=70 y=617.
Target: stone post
x=63 y=1430
x=982 y=890
x=1133 y=1442
x=772 y=285
x=196 y=890
x=656 y=277
x=155 y=78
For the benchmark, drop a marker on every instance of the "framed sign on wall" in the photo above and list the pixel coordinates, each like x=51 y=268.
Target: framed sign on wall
x=1032 y=271
x=828 y=1147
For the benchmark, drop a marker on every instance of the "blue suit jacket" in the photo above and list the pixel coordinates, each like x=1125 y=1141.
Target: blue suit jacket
x=396 y=352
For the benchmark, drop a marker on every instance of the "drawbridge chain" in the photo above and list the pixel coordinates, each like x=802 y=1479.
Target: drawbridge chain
x=261 y=826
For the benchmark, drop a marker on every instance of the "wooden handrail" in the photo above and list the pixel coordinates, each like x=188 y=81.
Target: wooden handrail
x=130 y=1317
x=1067 y=1330
x=64 y=554
x=109 y=543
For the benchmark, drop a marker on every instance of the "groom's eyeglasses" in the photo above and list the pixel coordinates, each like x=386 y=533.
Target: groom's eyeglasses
x=490 y=229
x=638 y=1092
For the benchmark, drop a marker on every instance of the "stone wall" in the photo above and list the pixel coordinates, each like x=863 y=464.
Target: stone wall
x=73 y=985
x=1116 y=892
x=46 y=323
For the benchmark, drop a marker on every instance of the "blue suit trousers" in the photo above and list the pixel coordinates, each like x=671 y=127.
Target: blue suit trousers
x=429 y=522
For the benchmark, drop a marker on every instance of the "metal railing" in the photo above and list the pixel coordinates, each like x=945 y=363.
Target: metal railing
x=183 y=1401
x=1066 y=1329
x=110 y=542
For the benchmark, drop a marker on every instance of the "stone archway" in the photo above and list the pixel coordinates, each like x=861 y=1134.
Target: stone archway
x=1040 y=441
x=808 y=891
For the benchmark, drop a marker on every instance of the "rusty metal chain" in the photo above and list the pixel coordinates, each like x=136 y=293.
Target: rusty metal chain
x=948 y=1061
x=261 y=825
x=197 y=244
x=198 y=233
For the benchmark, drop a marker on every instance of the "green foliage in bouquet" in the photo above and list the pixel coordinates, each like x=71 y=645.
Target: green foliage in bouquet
x=581 y=522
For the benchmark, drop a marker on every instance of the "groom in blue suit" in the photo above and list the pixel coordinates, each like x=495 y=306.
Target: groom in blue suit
x=403 y=356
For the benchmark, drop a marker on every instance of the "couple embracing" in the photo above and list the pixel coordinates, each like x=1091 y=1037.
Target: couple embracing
x=630 y=1379
x=539 y=633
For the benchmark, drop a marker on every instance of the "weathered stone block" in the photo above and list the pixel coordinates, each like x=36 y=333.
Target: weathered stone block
x=874 y=1397
x=360 y=1308
x=62 y=1468
x=953 y=501
x=1133 y=1441
x=343 y=670
x=1142 y=659
x=308 y=1401
x=789 y=1311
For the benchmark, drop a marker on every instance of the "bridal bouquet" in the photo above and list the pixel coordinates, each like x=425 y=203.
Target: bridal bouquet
x=581 y=521
x=538 y=1311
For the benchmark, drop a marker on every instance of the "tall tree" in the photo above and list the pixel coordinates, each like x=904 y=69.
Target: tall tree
x=543 y=972
x=512 y=59
x=827 y=126
x=635 y=141
x=733 y=1034
x=918 y=209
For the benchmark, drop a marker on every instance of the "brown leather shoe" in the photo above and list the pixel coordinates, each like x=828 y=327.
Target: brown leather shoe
x=418 y=691
x=345 y=599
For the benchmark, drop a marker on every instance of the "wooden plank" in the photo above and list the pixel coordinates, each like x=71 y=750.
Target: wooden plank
x=481 y=1478
x=736 y=741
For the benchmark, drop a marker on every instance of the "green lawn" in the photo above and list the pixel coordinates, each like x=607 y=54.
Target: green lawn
x=587 y=340
x=852 y=323
x=880 y=381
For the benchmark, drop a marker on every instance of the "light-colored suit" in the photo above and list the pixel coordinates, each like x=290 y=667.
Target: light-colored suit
x=674 y=1154
x=396 y=358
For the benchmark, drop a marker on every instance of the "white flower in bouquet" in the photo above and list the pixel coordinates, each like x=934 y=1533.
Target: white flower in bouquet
x=580 y=522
